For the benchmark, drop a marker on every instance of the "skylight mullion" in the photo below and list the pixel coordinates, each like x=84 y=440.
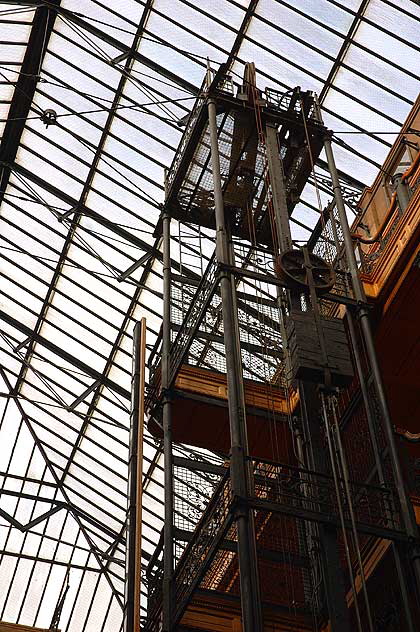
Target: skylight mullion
x=332 y=58
x=70 y=261
x=52 y=471
x=335 y=114
x=330 y=29
x=50 y=411
x=73 y=264
x=26 y=556
x=86 y=73
x=71 y=299
x=321 y=80
x=105 y=108
x=57 y=309
x=62 y=353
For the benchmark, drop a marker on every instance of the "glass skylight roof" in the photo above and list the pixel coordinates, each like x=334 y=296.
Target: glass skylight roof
x=80 y=201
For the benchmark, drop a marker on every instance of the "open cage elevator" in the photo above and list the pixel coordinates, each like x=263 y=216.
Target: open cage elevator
x=280 y=519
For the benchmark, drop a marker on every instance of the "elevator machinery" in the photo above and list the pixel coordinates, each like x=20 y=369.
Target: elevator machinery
x=295 y=517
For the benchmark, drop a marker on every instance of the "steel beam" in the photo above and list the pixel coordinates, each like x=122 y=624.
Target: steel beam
x=168 y=538
x=26 y=84
x=151 y=251
x=65 y=355
x=279 y=556
x=67 y=199
x=278 y=191
x=74 y=511
x=240 y=475
x=111 y=41
x=321 y=518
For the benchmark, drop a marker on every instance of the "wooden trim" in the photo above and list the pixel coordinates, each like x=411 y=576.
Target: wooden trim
x=213 y=384
x=400 y=241
x=15 y=627
x=416 y=505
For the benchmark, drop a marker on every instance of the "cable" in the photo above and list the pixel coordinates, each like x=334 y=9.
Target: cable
x=19 y=89
x=87 y=95
x=114 y=271
x=105 y=161
x=171 y=120
x=335 y=476
x=104 y=109
x=409 y=131
x=104 y=56
x=93 y=149
x=311 y=158
x=56 y=261
x=143 y=37
x=61 y=208
x=17 y=11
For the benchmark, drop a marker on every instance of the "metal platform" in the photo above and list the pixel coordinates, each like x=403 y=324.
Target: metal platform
x=240 y=120
x=297 y=494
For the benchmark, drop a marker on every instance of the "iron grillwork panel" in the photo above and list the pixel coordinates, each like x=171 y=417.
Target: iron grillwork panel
x=297 y=491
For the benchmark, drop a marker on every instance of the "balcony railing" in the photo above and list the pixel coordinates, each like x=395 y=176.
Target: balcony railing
x=311 y=495
x=371 y=249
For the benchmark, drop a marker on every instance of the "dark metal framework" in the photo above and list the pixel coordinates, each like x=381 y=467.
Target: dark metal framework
x=79 y=204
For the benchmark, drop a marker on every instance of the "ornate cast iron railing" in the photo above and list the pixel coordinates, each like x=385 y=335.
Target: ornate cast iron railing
x=193 y=317
x=370 y=257
x=186 y=333
x=200 y=551
x=195 y=112
x=154 y=580
x=312 y=495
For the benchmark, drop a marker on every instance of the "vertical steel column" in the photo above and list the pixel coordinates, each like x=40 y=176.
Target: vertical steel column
x=275 y=170
x=407 y=509
x=365 y=396
x=168 y=541
x=135 y=462
x=240 y=477
x=333 y=576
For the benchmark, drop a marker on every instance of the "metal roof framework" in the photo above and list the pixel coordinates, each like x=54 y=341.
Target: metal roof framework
x=80 y=197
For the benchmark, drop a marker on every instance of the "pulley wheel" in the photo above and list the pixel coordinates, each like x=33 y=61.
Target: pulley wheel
x=294 y=271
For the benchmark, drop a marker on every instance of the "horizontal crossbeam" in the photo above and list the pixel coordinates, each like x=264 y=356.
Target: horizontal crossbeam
x=65 y=355
x=310 y=514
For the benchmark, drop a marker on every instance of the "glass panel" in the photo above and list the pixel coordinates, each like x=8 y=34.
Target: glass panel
x=387 y=46
x=118 y=18
x=383 y=72
x=285 y=15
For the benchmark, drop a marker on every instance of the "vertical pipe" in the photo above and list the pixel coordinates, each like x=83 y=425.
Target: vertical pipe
x=248 y=565
x=406 y=507
x=346 y=482
x=341 y=514
x=278 y=190
x=331 y=567
x=401 y=573
x=168 y=544
x=402 y=190
x=135 y=468
x=333 y=579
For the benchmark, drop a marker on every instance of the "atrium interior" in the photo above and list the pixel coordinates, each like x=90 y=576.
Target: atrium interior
x=209 y=299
